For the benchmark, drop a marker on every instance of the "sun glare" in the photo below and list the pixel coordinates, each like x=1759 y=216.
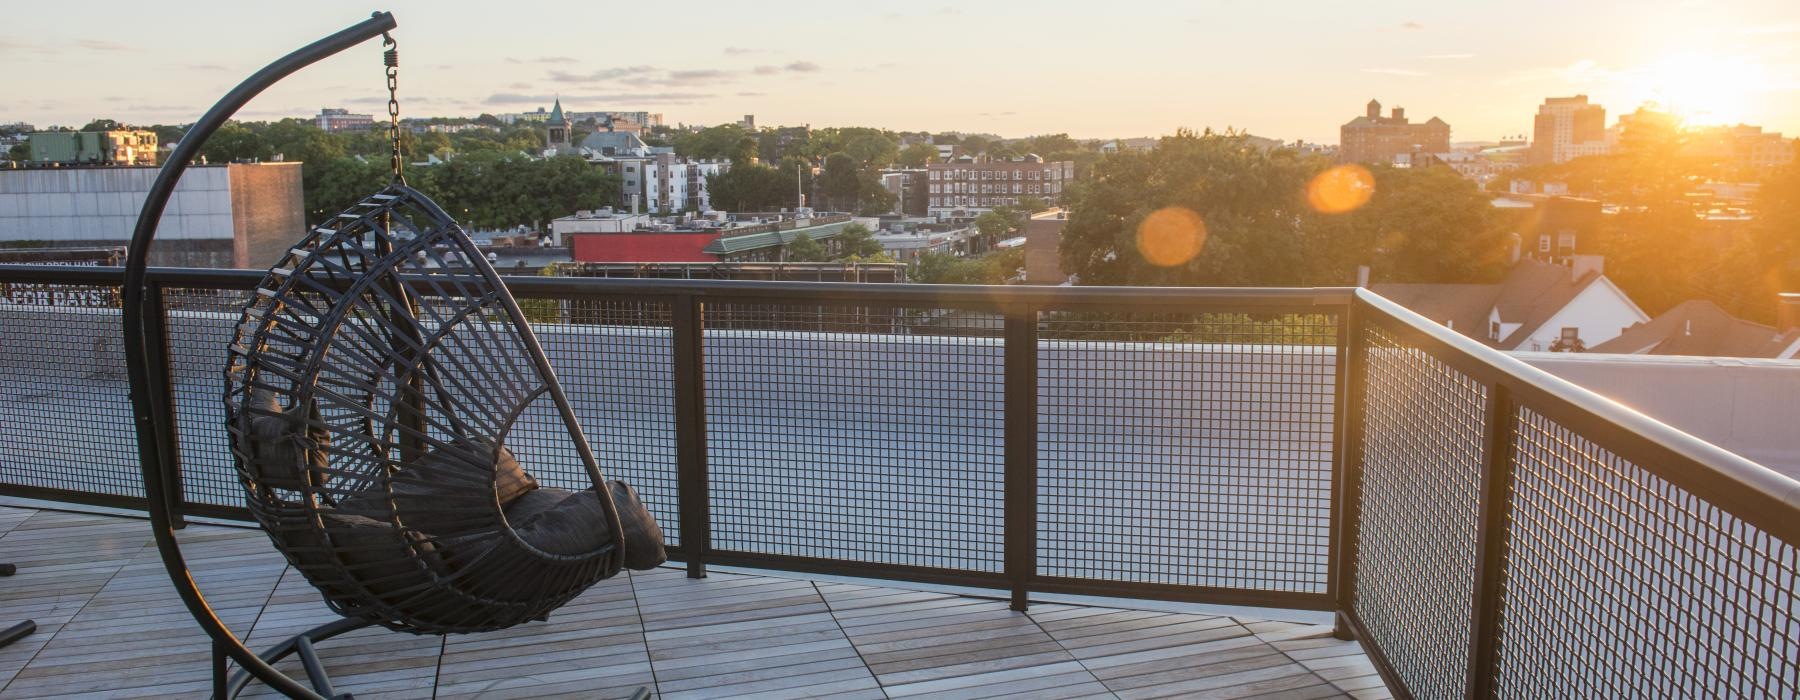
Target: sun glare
x=1171 y=236
x=1703 y=90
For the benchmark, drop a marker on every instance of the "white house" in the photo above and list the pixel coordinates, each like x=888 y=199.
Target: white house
x=1539 y=306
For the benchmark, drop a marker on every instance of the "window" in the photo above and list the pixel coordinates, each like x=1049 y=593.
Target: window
x=1494 y=330
x=1570 y=334
x=1544 y=243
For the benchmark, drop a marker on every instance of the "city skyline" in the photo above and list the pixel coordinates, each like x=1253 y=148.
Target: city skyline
x=930 y=67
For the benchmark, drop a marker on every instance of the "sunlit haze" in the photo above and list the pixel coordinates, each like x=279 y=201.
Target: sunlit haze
x=1011 y=68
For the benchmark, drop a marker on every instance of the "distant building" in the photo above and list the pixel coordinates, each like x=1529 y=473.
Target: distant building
x=1043 y=249
x=115 y=147
x=675 y=183
x=1703 y=329
x=1373 y=138
x=1745 y=147
x=1566 y=128
x=1551 y=228
x=334 y=120
x=556 y=135
x=964 y=188
x=748 y=122
x=1539 y=306
x=596 y=221
x=900 y=183
x=755 y=237
x=224 y=216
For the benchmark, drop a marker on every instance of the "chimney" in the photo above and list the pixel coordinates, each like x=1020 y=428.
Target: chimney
x=634 y=204
x=1512 y=257
x=1581 y=265
x=1399 y=112
x=1787 y=311
x=1362 y=275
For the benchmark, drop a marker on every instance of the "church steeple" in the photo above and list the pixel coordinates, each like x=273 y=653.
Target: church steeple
x=558 y=124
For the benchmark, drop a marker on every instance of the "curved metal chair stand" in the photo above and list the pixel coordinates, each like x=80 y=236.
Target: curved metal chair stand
x=372 y=383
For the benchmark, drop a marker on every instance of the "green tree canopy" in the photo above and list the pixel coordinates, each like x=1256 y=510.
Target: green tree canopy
x=751 y=188
x=918 y=155
x=804 y=249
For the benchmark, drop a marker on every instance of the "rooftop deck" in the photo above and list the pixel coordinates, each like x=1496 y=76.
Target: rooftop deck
x=108 y=621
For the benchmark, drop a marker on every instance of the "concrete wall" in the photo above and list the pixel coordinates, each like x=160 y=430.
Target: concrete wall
x=267 y=211
x=1751 y=407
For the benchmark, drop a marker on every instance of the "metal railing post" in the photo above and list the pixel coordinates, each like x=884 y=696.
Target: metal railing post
x=1347 y=463
x=162 y=391
x=692 y=497
x=1020 y=485
x=1491 y=540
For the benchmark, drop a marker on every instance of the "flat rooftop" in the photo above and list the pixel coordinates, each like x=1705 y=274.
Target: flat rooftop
x=108 y=622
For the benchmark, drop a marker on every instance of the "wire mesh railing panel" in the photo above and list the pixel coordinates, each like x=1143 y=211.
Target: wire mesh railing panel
x=1619 y=584
x=1422 y=454
x=1187 y=448
x=614 y=361
x=200 y=322
x=856 y=433
x=65 y=411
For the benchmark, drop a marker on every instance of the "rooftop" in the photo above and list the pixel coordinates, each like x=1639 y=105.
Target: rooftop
x=97 y=590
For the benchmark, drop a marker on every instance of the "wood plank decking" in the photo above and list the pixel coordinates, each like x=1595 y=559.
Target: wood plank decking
x=109 y=624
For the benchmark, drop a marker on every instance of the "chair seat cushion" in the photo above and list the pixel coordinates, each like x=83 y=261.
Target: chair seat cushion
x=390 y=562
x=447 y=492
x=573 y=522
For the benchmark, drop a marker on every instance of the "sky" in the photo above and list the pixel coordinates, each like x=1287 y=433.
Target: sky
x=1290 y=70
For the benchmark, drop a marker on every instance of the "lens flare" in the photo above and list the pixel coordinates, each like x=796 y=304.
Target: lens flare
x=1171 y=236
x=1340 y=189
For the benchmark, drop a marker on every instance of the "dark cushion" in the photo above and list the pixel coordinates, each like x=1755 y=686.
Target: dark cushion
x=390 y=562
x=571 y=523
x=281 y=443
x=447 y=492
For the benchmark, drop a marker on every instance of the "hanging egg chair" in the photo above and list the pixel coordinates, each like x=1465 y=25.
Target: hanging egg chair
x=371 y=387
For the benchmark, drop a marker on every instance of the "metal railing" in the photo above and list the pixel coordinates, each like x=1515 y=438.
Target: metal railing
x=1483 y=528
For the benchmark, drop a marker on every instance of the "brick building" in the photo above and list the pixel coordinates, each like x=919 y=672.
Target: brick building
x=1373 y=138
x=964 y=188
x=1567 y=128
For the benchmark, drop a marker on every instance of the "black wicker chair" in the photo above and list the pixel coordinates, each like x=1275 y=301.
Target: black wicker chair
x=373 y=382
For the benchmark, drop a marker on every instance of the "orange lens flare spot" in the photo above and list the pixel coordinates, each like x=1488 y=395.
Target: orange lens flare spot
x=1171 y=236
x=1340 y=189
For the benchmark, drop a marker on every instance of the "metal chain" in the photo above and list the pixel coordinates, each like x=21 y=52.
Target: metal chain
x=390 y=57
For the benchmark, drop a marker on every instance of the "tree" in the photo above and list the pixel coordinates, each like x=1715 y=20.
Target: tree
x=918 y=155
x=102 y=125
x=804 y=249
x=1245 y=214
x=235 y=142
x=751 y=187
x=20 y=152
x=840 y=185
x=856 y=241
x=872 y=149
x=918 y=198
x=300 y=140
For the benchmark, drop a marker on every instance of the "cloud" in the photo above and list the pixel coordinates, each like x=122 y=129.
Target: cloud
x=795 y=67
x=599 y=76
x=204 y=66
x=519 y=86
x=1580 y=72
x=693 y=77
x=751 y=94
x=514 y=98
x=1411 y=25
x=98 y=45
x=741 y=51
x=1403 y=72
x=1448 y=56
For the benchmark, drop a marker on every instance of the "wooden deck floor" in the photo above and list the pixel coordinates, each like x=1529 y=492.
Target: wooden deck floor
x=110 y=625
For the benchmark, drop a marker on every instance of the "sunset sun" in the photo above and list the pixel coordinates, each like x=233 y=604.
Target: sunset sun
x=1703 y=89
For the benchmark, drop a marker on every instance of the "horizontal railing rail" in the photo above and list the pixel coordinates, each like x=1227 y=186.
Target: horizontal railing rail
x=1483 y=527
